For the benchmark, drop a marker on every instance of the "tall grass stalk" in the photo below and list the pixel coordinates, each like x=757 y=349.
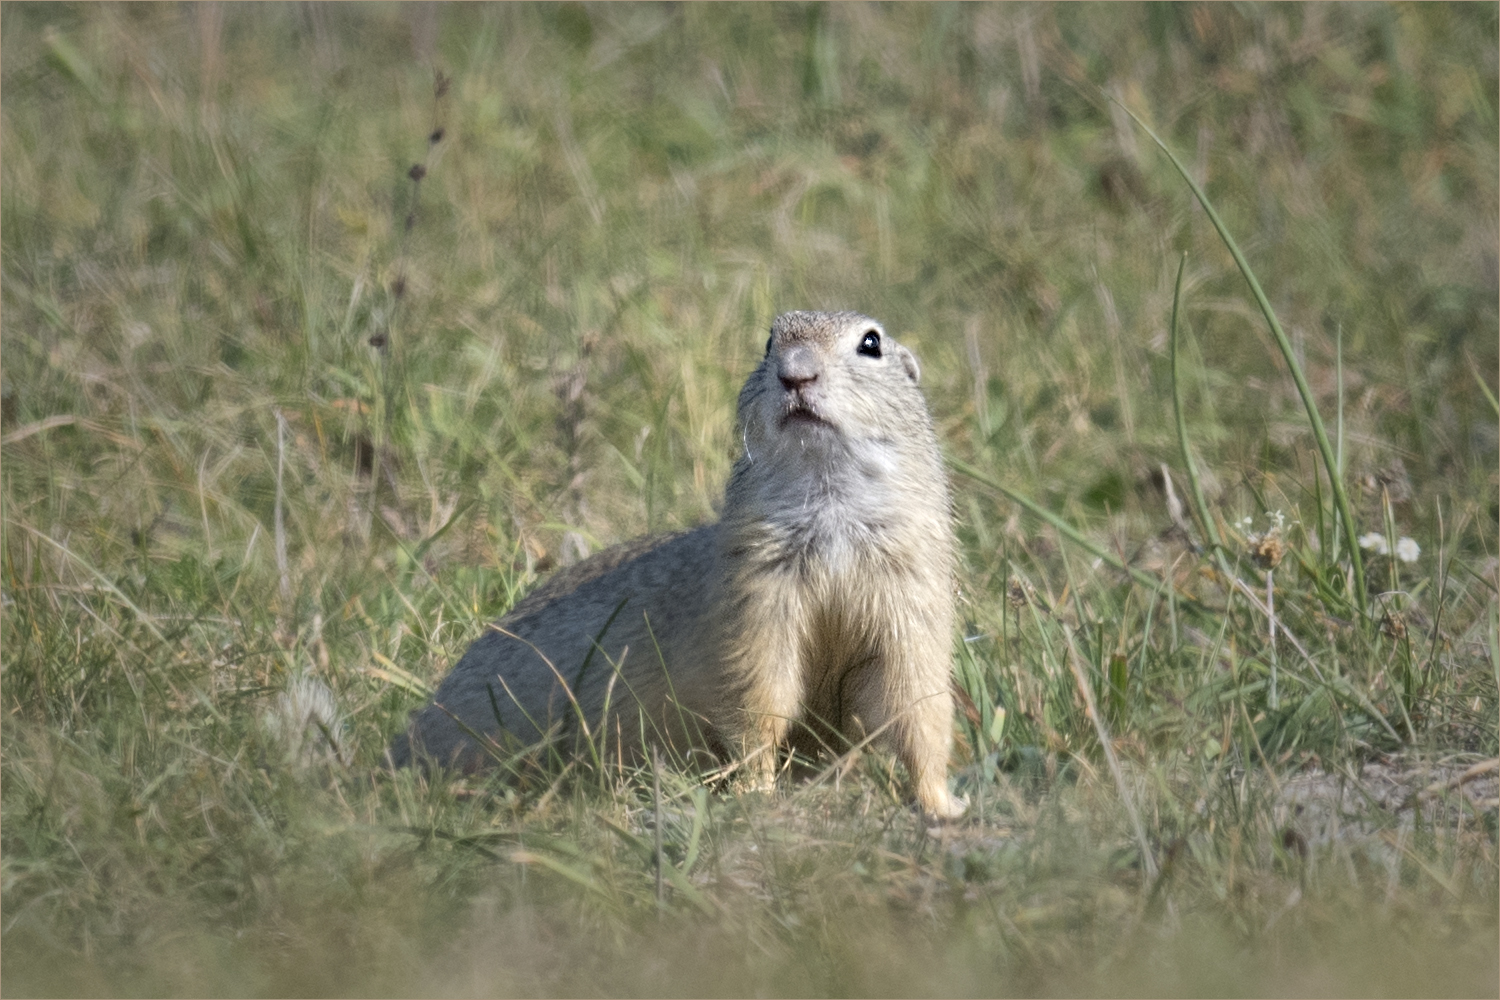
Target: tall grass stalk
x=1200 y=505
x=1330 y=462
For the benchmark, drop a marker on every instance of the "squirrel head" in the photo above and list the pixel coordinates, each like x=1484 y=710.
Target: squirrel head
x=831 y=378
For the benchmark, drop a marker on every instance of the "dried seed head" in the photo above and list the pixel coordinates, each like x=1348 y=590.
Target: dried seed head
x=1267 y=549
x=1016 y=594
x=307 y=720
x=377 y=341
x=440 y=84
x=1393 y=624
x=398 y=287
x=436 y=137
x=417 y=172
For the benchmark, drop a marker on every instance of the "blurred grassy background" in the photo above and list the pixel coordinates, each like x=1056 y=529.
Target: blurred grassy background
x=276 y=405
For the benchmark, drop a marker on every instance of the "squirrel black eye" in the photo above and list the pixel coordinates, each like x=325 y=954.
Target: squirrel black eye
x=870 y=345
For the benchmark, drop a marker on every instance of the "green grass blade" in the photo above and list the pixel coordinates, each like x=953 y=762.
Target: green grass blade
x=104 y=581
x=1488 y=396
x=1330 y=463
x=1069 y=532
x=1200 y=505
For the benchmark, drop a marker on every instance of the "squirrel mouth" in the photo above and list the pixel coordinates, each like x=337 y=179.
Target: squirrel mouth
x=798 y=412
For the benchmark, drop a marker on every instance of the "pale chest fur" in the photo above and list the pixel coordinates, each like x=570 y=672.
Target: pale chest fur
x=838 y=514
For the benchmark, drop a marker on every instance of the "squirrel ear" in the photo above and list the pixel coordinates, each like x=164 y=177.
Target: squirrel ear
x=909 y=362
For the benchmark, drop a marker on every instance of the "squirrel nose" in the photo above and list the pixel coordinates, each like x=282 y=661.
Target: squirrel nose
x=798 y=368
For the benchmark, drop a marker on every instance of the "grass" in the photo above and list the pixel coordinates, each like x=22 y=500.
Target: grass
x=286 y=422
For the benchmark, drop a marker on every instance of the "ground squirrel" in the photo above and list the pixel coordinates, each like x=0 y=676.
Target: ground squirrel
x=816 y=612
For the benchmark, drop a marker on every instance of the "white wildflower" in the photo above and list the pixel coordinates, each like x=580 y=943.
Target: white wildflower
x=1376 y=541
x=1407 y=549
